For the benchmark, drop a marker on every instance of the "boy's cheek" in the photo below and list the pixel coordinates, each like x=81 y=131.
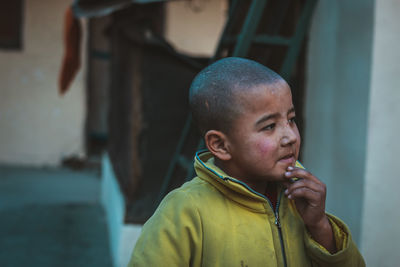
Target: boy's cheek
x=265 y=147
x=298 y=139
x=298 y=148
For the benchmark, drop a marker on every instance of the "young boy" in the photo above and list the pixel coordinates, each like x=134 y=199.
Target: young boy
x=251 y=203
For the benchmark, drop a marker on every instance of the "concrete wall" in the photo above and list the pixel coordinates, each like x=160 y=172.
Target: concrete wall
x=336 y=112
x=38 y=127
x=122 y=237
x=381 y=216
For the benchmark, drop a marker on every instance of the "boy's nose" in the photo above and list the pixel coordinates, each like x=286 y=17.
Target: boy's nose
x=289 y=137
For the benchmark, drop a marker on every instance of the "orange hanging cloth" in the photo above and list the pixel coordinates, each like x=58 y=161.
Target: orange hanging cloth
x=72 y=51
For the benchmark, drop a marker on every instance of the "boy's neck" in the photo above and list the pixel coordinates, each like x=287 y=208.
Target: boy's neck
x=271 y=189
x=263 y=187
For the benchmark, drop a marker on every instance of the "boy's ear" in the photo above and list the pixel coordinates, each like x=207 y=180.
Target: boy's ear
x=217 y=144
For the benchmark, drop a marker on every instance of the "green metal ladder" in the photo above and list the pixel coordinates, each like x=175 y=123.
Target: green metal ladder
x=242 y=44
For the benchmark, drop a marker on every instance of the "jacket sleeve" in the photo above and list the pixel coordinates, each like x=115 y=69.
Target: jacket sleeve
x=172 y=236
x=347 y=254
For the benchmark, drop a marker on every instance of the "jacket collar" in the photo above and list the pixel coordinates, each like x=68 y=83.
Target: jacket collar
x=231 y=187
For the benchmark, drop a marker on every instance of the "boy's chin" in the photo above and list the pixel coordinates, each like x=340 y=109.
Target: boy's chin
x=277 y=178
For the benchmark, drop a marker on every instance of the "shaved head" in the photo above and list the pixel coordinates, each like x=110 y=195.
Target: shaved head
x=214 y=92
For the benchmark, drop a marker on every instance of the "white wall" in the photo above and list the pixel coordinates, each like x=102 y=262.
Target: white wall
x=195 y=26
x=336 y=108
x=381 y=216
x=37 y=126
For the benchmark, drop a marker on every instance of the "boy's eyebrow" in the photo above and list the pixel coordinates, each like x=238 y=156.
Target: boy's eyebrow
x=271 y=116
x=266 y=117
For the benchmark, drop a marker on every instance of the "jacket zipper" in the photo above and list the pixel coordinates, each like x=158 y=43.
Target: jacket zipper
x=276 y=213
x=278 y=224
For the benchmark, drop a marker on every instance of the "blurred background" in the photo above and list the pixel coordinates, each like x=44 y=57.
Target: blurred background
x=95 y=128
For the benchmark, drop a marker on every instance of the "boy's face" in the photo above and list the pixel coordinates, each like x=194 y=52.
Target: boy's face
x=264 y=139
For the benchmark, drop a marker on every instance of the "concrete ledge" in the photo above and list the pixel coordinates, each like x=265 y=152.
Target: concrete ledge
x=122 y=236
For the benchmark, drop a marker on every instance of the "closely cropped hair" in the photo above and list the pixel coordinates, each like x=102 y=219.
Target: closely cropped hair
x=213 y=93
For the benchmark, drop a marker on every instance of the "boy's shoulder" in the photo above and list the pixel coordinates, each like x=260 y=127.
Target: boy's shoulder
x=193 y=196
x=195 y=189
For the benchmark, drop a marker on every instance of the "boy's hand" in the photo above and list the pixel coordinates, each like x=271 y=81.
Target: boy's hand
x=309 y=194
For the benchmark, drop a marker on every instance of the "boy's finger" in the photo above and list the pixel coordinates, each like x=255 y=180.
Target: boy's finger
x=306 y=193
x=295 y=172
x=307 y=184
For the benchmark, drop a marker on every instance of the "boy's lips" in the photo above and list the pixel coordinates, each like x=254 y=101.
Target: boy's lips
x=288 y=159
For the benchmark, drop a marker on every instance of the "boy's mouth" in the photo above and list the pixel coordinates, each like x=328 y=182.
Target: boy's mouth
x=288 y=159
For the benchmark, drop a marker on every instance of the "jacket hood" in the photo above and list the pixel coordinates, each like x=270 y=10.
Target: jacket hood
x=231 y=187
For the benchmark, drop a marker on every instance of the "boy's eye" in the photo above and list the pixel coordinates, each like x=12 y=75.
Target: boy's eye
x=292 y=120
x=269 y=127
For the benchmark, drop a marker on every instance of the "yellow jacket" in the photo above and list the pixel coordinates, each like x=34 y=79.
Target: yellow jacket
x=216 y=220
